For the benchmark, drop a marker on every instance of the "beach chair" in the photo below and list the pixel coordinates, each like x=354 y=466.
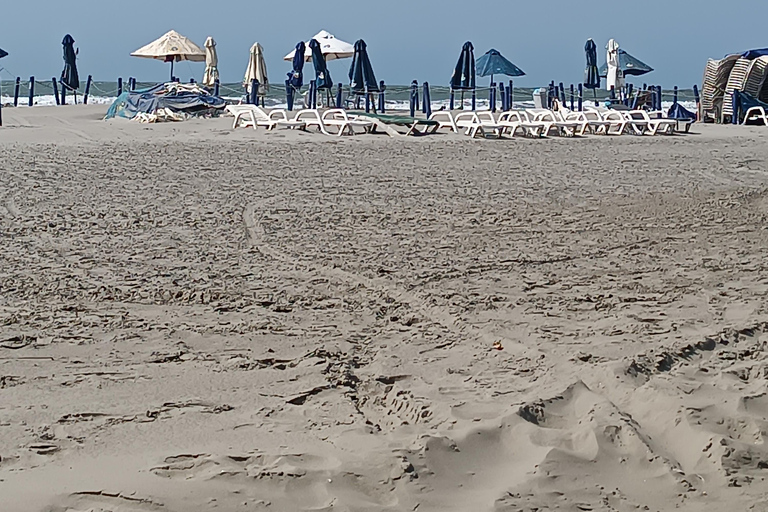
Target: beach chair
x=386 y=122
x=592 y=120
x=756 y=110
x=474 y=123
x=444 y=119
x=556 y=121
x=514 y=120
x=653 y=125
x=254 y=116
x=617 y=122
x=334 y=118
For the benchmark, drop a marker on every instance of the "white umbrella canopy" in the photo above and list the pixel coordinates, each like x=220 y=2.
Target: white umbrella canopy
x=257 y=69
x=615 y=77
x=331 y=47
x=171 y=47
x=211 y=63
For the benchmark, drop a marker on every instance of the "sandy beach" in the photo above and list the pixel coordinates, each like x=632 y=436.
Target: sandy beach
x=199 y=319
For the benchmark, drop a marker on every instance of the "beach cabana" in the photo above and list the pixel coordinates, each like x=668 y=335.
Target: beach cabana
x=494 y=63
x=171 y=47
x=211 y=63
x=330 y=47
x=256 y=70
x=69 y=77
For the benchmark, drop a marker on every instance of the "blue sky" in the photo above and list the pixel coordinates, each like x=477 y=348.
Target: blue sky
x=407 y=39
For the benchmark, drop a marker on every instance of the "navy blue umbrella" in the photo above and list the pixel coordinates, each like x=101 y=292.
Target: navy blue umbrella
x=494 y=63
x=69 y=76
x=322 y=75
x=296 y=76
x=3 y=53
x=361 y=77
x=464 y=74
x=628 y=65
x=591 y=73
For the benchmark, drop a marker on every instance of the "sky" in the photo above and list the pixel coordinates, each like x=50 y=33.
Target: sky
x=407 y=39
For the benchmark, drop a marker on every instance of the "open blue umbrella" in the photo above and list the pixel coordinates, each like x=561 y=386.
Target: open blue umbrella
x=322 y=75
x=464 y=74
x=628 y=65
x=361 y=77
x=69 y=77
x=296 y=76
x=3 y=53
x=494 y=63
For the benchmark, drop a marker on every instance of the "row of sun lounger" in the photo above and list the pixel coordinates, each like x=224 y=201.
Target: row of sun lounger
x=529 y=122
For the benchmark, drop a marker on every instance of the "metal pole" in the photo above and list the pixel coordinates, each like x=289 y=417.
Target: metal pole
x=16 y=92
x=216 y=87
x=56 y=91
x=572 y=105
x=253 y=96
x=382 y=88
x=31 y=90
x=87 y=89
x=172 y=70
x=427 y=100
x=503 y=94
x=338 y=96
x=119 y=86
x=581 y=98
x=453 y=97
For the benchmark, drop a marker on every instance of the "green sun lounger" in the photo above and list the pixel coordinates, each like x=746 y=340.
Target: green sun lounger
x=386 y=122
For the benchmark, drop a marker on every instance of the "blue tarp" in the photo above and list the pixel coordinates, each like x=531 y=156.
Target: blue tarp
x=591 y=73
x=361 y=77
x=130 y=103
x=677 y=111
x=629 y=65
x=464 y=74
x=494 y=63
x=322 y=75
x=753 y=54
x=296 y=76
x=69 y=76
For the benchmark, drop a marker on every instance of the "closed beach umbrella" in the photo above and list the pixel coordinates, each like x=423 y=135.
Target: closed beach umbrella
x=257 y=69
x=3 y=53
x=296 y=76
x=591 y=74
x=69 y=76
x=330 y=47
x=464 y=74
x=494 y=63
x=322 y=75
x=361 y=77
x=614 y=78
x=171 y=47
x=211 y=63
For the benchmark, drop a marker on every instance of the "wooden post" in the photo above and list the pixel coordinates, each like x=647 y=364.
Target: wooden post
x=613 y=93
x=288 y=94
x=511 y=95
x=674 y=101
x=581 y=97
x=56 y=91
x=31 y=90
x=453 y=97
x=382 y=88
x=338 y=95
x=414 y=98
x=216 y=88
x=735 y=103
x=63 y=93
x=572 y=105
x=474 y=99
x=87 y=89
x=16 y=92
x=503 y=94
x=119 y=85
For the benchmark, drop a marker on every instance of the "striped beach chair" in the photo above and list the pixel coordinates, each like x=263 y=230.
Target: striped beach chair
x=737 y=80
x=713 y=86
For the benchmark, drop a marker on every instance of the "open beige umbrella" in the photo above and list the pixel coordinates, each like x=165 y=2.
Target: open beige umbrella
x=211 y=63
x=257 y=69
x=171 y=47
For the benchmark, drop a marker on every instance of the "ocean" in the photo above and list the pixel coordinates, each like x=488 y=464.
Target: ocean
x=396 y=96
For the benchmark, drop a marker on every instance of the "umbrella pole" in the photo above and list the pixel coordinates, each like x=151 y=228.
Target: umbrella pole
x=594 y=93
x=171 y=70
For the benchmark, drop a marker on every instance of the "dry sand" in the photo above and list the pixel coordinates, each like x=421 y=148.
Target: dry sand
x=193 y=319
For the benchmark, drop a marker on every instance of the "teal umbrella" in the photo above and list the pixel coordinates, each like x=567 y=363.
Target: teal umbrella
x=494 y=63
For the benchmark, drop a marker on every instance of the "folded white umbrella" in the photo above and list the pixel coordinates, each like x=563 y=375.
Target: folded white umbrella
x=331 y=47
x=171 y=47
x=257 y=68
x=211 y=63
x=615 y=76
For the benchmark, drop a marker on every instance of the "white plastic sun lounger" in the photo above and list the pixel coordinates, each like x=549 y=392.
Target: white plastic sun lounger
x=514 y=120
x=474 y=123
x=642 y=123
x=444 y=119
x=593 y=121
x=336 y=118
x=756 y=114
x=254 y=116
x=564 y=128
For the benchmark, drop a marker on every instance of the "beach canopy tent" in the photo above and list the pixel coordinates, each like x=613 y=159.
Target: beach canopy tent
x=361 y=77
x=187 y=98
x=69 y=77
x=330 y=47
x=171 y=47
x=464 y=73
x=494 y=63
x=3 y=53
x=296 y=76
x=211 y=63
x=628 y=65
x=256 y=70
x=323 y=78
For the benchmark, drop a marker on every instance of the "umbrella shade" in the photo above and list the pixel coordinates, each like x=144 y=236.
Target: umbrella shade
x=330 y=47
x=3 y=53
x=296 y=76
x=361 y=77
x=629 y=65
x=171 y=47
x=211 y=63
x=494 y=63
x=69 y=75
x=257 y=69
x=464 y=74
x=322 y=75
x=591 y=73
